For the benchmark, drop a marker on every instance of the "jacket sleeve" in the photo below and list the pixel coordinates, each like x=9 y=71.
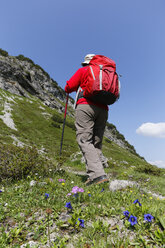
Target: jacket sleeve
x=73 y=83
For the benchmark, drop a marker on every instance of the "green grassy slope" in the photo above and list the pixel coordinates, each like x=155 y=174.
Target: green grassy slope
x=40 y=126
x=28 y=215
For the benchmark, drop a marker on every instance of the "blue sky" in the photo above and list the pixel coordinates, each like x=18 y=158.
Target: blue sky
x=58 y=34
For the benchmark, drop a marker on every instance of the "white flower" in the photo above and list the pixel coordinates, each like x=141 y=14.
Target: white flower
x=32 y=183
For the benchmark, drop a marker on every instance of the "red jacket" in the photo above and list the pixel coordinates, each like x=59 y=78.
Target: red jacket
x=80 y=79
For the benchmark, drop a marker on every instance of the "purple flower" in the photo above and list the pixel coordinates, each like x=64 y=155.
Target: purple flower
x=89 y=195
x=61 y=180
x=81 y=190
x=46 y=195
x=68 y=205
x=102 y=190
x=69 y=194
x=81 y=222
x=133 y=220
x=76 y=189
x=137 y=201
x=126 y=213
x=148 y=217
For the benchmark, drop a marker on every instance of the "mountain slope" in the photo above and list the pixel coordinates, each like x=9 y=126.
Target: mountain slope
x=34 y=209
x=21 y=76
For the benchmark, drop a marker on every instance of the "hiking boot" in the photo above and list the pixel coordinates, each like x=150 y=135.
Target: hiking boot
x=97 y=180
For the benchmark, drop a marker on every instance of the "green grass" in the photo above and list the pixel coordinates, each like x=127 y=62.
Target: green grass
x=25 y=213
x=25 y=209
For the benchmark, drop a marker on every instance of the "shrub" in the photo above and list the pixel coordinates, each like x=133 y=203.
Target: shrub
x=17 y=163
x=108 y=141
x=110 y=126
x=3 y=53
x=23 y=58
x=70 y=124
x=149 y=169
x=40 y=68
x=55 y=125
x=59 y=119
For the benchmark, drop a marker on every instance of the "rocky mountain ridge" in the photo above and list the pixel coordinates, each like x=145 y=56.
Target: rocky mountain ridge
x=21 y=76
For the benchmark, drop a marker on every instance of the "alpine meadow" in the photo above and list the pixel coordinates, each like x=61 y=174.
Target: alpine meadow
x=43 y=200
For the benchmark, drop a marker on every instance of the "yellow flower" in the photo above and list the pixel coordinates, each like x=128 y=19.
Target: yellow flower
x=150 y=197
x=142 y=194
x=89 y=192
x=131 y=191
x=63 y=184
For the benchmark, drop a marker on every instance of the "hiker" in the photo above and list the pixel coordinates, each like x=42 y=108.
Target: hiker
x=90 y=121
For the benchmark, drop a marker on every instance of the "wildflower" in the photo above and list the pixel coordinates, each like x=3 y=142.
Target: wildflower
x=33 y=183
x=148 y=217
x=131 y=191
x=0 y=191
x=61 y=180
x=102 y=190
x=68 y=205
x=133 y=220
x=81 y=190
x=50 y=179
x=137 y=201
x=46 y=195
x=89 y=193
x=75 y=189
x=63 y=184
x=81 y=222
x=126 y=213
x=69 y=194
x=150 y=197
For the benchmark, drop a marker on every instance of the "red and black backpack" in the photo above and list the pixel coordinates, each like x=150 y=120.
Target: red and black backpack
x=103 y=84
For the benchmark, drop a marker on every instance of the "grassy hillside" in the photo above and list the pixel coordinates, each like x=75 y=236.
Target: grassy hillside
x=34 y=210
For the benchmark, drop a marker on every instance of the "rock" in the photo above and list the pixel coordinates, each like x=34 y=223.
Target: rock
x=120 y=184
x=22 y=77
x=31 y=244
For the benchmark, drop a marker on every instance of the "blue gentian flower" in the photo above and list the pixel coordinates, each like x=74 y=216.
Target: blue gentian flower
x=46 y=195
x=102 y=190
x=68 y=205
x=133 y=220
x=126 y=213
x=148 y=217
x=137 y=201
x=81 y=222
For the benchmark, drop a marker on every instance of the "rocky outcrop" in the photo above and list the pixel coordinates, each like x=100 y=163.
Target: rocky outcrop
x=20 y=76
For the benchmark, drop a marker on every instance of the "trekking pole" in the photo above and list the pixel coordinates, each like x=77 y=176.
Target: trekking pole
x=67 y=96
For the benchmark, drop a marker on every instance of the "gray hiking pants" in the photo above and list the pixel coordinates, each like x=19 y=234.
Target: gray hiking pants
x=90 y=123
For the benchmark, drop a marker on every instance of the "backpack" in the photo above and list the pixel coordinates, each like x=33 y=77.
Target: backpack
x=103 y=85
